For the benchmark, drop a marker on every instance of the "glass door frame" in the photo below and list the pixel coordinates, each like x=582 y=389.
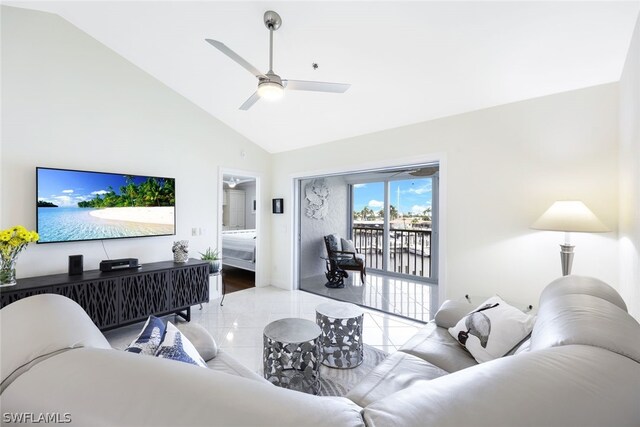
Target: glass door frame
x=439 y=210
x=434 y=243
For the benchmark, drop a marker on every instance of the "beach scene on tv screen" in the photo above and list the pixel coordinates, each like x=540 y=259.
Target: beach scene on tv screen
x=76 y=205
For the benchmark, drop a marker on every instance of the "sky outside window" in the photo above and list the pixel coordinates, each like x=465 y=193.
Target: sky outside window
x=408 y=196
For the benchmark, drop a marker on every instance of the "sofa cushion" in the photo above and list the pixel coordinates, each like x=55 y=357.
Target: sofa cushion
x=396 y=372
x=200 y=338
x=115 y=388
x=149 y=339
x=358 y=261
x=450 y=313
x=588 y=320
x=176 y=346
x=493 y=329
x=35 y=328
x=523 y=347
x=582 y=285
x=438 y=347
x=224 y=362
x=571 y=386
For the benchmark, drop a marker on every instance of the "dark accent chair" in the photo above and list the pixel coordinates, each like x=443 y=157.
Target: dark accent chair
x=343 y=259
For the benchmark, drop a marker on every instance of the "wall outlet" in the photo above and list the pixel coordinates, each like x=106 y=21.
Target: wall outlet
x=194 y=231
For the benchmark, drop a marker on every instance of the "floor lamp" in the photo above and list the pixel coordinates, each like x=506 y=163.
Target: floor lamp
x=569 y=216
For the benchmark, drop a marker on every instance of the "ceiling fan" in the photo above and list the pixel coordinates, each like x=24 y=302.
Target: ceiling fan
x=270 y=85
x=232 y=182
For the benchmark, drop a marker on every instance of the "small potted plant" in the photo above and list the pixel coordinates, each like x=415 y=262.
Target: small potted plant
x=213 y=257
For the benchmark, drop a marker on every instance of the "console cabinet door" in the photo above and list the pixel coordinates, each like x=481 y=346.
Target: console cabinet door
x=189 y=286
x=142 y=295
x=8 y=297
x=98 y=298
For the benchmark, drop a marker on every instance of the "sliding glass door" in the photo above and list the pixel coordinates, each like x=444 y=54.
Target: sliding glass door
x=368 y=222
x=394 y=223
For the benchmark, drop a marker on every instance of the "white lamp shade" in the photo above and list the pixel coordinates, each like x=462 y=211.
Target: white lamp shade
x=571 y=216
x=271 y=91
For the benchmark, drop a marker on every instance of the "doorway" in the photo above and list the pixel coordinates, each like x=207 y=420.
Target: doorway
x=390 y=216
x=239 y=224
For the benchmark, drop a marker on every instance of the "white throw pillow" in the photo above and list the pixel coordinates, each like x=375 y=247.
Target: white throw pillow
x=176 y=346
x=492 y=329
x=347 y=245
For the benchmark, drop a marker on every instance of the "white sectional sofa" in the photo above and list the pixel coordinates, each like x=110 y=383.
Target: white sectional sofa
x=583 y=369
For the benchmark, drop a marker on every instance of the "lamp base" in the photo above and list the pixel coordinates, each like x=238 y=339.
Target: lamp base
x=566 y=258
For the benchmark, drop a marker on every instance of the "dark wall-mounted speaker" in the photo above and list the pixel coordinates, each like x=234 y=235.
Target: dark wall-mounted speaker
x=76 y=265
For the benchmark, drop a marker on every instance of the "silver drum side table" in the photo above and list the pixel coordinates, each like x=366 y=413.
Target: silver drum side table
x=341 y=339
x=291 y=354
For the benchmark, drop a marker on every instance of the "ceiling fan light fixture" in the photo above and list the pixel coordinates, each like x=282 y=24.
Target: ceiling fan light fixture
x=270 y=85
x=271 y=91
x=232 y=183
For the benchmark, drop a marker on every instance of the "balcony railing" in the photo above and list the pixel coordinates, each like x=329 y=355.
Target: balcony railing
x=409 y=250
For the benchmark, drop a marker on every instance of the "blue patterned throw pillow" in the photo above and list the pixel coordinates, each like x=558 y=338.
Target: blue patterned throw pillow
x=148 y=341
x=176 y=346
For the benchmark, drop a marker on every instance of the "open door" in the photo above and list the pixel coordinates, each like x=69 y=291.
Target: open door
x=239 y=230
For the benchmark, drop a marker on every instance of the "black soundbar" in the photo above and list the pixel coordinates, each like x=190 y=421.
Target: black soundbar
x=119 y=264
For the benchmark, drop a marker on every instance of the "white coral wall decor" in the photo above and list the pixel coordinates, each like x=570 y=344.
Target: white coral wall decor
x=317 y=194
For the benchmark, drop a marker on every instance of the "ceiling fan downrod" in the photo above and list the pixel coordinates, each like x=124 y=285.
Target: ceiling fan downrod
x=272 y=21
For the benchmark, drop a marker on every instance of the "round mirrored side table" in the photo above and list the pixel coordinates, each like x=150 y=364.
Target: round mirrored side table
x=341 y=338
x=291 y=354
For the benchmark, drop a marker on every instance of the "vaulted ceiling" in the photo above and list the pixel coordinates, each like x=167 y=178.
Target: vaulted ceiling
x=407 y=61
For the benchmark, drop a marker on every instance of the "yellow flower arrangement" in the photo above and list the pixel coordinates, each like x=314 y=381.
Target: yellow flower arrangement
x=13 y=241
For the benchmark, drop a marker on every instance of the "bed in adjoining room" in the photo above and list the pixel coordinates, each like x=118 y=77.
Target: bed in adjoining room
x=239 y=249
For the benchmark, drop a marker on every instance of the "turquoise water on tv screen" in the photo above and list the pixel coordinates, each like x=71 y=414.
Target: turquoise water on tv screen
x=64 y=224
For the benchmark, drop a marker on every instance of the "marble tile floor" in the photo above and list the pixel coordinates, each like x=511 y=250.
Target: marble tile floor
x=402 y=297
x=237 y=326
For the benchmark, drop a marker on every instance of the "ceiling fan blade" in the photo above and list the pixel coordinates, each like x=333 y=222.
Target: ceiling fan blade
x=419 y=172
x=425 y=171
x=237 y=58
x=249 y=102
x=316 y=86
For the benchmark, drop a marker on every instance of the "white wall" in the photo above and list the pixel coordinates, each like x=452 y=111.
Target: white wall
x=501 y=168
x=70 y=102
x=312 y=231
x=630 y=177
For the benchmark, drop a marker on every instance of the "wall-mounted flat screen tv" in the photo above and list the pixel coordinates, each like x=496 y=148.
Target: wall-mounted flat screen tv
x=77 y=205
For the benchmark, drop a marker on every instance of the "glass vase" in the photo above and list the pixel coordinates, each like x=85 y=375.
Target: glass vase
x=7 y=271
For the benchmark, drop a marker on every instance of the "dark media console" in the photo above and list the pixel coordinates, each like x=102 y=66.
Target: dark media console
x=122 y=297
